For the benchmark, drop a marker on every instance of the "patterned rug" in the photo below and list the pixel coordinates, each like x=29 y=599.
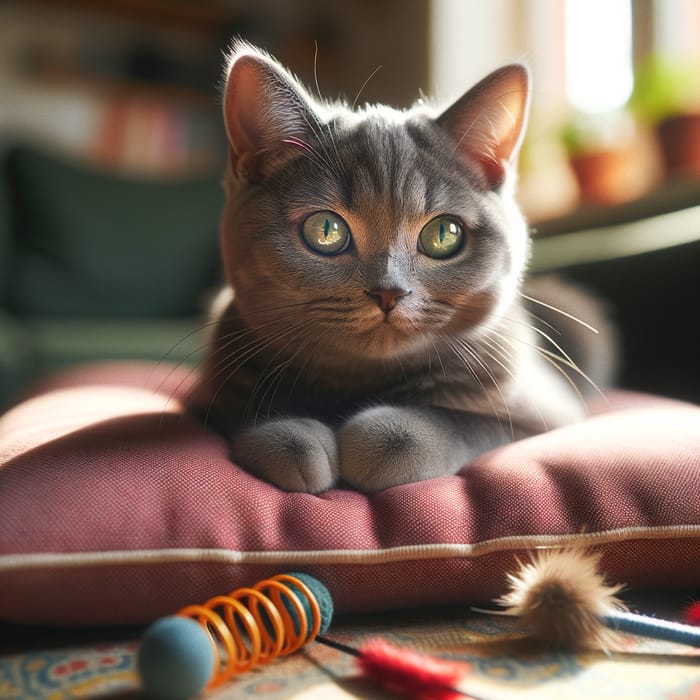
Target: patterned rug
x=500 y=663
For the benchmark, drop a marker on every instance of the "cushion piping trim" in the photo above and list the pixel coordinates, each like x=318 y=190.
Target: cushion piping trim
x=145 y=557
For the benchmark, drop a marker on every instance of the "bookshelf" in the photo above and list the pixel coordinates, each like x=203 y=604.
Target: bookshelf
x=134 y=84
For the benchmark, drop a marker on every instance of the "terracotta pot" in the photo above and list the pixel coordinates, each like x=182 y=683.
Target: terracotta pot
x=604 y=176
x=679 y=139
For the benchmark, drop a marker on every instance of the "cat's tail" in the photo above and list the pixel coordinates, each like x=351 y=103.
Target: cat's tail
x=580 y=323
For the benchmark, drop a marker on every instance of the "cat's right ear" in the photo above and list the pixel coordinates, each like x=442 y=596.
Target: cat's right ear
x=265 y=109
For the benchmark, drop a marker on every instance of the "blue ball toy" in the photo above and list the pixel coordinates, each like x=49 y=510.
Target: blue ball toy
x=176 y=659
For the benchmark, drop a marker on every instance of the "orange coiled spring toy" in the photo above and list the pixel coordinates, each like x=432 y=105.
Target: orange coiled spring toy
x=206 y=645
x=258 y=624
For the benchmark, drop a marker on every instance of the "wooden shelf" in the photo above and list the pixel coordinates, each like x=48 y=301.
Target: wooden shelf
x=672 y=195
x=666 y=218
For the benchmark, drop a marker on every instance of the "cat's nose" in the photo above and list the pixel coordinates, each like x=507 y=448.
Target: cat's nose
x=386 y=298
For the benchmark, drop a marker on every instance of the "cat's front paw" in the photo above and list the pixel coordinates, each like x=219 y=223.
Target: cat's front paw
x=388 y=446
x=296 y=454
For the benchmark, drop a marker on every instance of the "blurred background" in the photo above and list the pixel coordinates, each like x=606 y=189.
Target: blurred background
x=133 y=84
x=112 y=148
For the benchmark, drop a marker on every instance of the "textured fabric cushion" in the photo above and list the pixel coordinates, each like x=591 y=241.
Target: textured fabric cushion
x=90 y=243
x=117 y=508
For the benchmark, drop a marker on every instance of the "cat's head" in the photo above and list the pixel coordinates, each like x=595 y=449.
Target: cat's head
x=373 y=232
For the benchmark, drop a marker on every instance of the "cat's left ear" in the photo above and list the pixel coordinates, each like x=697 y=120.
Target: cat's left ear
x=488 y=122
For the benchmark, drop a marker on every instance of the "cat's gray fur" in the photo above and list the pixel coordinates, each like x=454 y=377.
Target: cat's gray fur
x=317 y=376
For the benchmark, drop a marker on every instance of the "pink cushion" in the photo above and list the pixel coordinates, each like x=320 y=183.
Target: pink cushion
x=117 y=508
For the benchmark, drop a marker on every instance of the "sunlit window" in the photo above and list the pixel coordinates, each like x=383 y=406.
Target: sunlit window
x=598 y=54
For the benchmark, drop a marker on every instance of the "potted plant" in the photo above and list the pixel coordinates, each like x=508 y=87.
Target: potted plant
x=666 y=96
x=602 y=153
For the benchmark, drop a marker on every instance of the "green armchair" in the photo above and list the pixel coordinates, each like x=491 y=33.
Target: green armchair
x=96 y=266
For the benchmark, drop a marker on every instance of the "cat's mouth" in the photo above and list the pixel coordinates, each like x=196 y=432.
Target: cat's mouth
x=392 y=333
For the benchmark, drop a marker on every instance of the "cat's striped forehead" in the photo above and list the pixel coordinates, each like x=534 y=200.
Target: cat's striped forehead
x=381 y=165
x=386 y=171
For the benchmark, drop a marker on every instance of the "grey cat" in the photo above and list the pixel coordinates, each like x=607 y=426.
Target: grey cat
x=377 y=334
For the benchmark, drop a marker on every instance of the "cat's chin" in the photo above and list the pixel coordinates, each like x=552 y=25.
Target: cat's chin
x=387 y=342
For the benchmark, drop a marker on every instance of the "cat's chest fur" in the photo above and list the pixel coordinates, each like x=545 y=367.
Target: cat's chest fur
x=249 y=378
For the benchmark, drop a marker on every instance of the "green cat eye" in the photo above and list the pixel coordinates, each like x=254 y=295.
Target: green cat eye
x=441 y=237
x=325 y=232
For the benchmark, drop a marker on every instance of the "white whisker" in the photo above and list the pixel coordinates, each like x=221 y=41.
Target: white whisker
x=273 y=378
x=468 y=348
x=465 y=362
x=559 y=311
x=364 y=85
x=508 y=357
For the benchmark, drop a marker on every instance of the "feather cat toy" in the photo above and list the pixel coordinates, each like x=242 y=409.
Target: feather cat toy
x=564 y=599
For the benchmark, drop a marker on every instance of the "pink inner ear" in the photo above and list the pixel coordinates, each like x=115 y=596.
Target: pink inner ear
x=488 y=122
x=264 y=107
x=244 y=106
